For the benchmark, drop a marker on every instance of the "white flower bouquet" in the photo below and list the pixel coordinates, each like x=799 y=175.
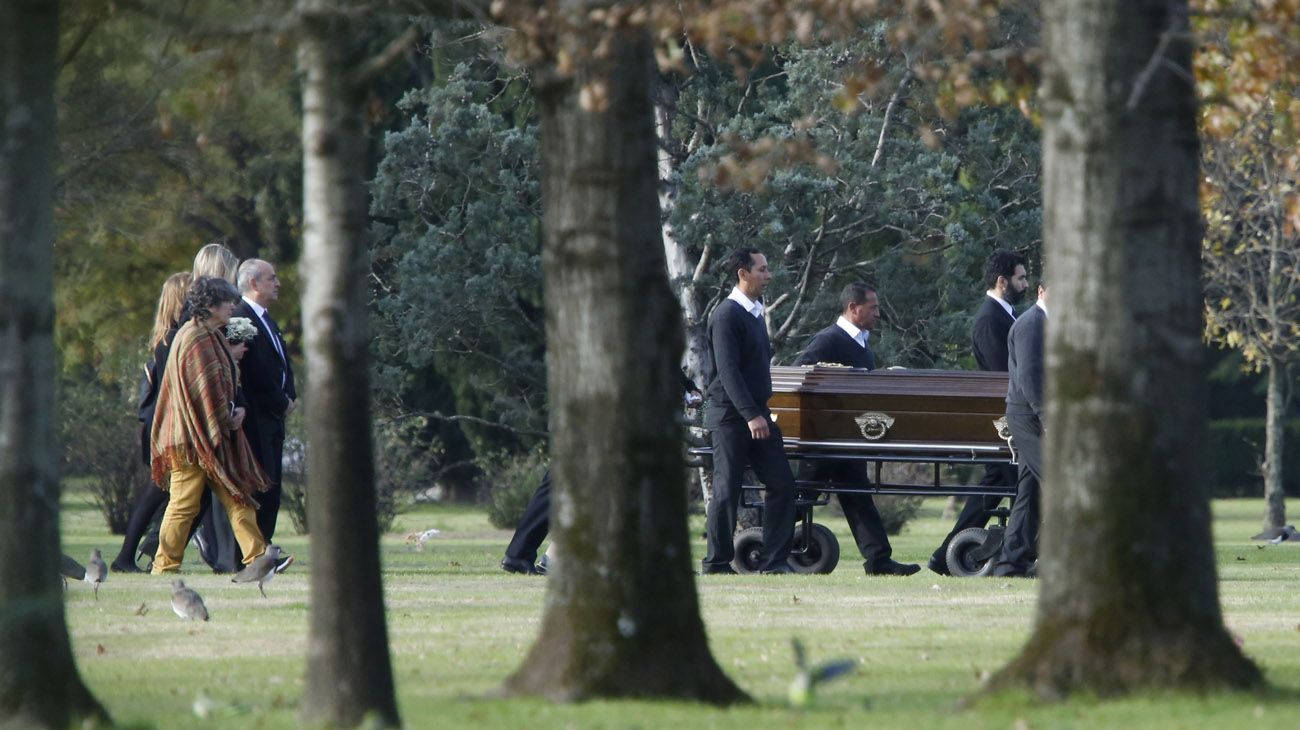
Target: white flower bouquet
x=240 y=329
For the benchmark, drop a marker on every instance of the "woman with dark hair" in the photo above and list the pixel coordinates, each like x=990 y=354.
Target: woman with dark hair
x=197 y=442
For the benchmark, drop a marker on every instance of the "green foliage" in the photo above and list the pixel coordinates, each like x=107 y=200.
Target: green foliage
x=896 y=510
x=1236 y=450
x=918 y=224
x=456 y=259
x=511 y=480
x=100 y=435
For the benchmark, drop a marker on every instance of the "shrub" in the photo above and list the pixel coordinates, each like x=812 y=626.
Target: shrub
x=1236 y=451
x=100 y=436
x=510 y=480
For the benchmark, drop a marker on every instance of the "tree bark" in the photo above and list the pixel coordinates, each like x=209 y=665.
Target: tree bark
x=39 y=682
x=1129 y=595
x=349 y=674
x=1274 y=494
x=622 y=616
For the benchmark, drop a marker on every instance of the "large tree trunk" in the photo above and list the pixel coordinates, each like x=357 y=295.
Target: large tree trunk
x=1129 y=595
x=349 y=675
x=622 y=616
x=39 y=683
x=1274 y=496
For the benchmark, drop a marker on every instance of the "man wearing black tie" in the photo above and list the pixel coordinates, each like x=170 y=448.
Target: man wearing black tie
x=266 y=378
x=1025 y=362
x=1007 y=281
x=740 y=425
x=845 y=343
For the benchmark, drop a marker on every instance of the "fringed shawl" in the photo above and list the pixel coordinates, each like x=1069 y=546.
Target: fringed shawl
x=193 y=423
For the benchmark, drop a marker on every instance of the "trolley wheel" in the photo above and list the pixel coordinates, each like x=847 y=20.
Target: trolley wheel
x=821 y=556
x=749 y=550
x=971 y=552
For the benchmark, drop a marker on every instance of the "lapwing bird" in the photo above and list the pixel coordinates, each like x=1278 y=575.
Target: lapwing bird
x=186 y=603
x=96 y=571
x=265 y=567
x=70 y=568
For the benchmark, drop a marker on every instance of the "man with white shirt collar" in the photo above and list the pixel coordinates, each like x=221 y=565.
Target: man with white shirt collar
x=266 y=379
x=1007 y=281
x=846 y=343
x=1025 y=414
x=741 y=426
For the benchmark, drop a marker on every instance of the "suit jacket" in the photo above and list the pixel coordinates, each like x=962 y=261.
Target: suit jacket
x=988 y=334
x=267 y=381
x=1026 y=366
x=833 y=344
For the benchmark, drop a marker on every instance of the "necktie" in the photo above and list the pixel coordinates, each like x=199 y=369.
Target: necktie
x=277 y=342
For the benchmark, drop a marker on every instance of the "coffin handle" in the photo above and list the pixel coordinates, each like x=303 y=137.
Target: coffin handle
x=1004 y=432
x=874 y=425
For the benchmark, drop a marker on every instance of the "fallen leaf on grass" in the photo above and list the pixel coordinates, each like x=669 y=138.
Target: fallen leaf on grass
x=142 y=610
x=99 y=649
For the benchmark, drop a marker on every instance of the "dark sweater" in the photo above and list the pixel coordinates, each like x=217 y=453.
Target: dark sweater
x=833 y=344
x=988 y=335
x=741 y=355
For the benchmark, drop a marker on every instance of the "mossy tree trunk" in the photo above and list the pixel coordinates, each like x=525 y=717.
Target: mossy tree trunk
x=622 y=615
x=1129 y=595
x=39 y=683
x=349 y=674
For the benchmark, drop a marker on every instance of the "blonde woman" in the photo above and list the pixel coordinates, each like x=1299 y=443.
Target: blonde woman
x=215 y=259
x=167 y=319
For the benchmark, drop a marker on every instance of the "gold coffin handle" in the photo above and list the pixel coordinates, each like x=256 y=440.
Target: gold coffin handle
x=1004 y=432
x=874 y=425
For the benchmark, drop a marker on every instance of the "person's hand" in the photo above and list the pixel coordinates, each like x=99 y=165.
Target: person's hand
x=758 y=428
x=238 y=349
x=238 y=417
x=292 y=405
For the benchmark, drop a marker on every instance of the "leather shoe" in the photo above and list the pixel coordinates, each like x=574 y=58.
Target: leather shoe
x=127 y=567
x=516 y=565
x=1008 y=571
x=890 y=567
x=717 y=569
x=779 y=569
x=938 y=566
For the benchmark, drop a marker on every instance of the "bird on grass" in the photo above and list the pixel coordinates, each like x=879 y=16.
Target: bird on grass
x=265 y=567
x=806 y=678
x=96 y=571
x=187 y=603
x=1286 y=533
x=70 y=568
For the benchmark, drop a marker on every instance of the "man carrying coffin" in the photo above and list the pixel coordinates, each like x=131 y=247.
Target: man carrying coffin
x=740 y=425
x=845 y=343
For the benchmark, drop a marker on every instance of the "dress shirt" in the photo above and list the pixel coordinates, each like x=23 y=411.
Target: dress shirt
x=859 y=336
x=751 y=306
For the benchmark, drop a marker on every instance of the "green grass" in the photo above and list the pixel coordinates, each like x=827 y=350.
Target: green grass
x=459 y=625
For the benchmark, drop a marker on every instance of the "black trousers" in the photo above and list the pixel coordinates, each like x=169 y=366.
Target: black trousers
x=149 y=504
x=978 y=509
x=733 y=450
x=1020 y=546
x=267 y=439
x=859 y=509
x=534 y=525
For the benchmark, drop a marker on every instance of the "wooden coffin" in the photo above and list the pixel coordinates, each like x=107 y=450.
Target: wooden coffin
x=823 y=408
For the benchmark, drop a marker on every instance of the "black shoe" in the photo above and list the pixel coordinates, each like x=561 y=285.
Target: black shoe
x=779 y=569
x=1032 y=572
x=127 y=567
x=516 y=565
x=717 y=569
x=938 y=566
x=890 y=567
x=1008 y=571
x=543 y=566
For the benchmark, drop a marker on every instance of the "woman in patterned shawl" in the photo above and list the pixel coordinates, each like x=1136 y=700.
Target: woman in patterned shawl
x=196 y=440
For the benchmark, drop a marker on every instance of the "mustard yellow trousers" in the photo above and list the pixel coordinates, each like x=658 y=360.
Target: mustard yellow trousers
x=188 y=483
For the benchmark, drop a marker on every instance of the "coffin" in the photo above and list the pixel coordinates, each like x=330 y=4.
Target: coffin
x=821 y=408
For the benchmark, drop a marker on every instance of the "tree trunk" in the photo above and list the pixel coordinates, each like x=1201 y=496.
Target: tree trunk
x=622 y=616
x=1129 y=595
x=39 y=683
x=1274 y=496
x=349 y=676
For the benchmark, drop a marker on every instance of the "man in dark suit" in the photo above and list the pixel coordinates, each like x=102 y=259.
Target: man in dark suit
x=845 y=343
x=266 y=378
x=1025 y=362
x=740 y=425
x=1007 y=281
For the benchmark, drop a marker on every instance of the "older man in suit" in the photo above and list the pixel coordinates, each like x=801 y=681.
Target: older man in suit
x=1007 y=281
x=845 y=343
x=1025 y=363
x=267 y=383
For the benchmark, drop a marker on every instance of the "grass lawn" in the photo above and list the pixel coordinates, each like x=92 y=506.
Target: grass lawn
x=458 y=625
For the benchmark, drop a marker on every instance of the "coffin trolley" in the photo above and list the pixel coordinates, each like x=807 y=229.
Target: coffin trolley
x=935 y=417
